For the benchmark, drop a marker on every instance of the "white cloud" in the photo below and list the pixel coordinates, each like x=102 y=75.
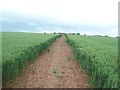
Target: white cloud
x=32 y=24
x=113 y=32
x=77 y=11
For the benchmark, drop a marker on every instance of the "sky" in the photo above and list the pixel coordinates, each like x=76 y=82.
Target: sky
x=91 y=17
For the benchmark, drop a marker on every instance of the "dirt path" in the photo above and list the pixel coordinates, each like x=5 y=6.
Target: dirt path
x=55 y=68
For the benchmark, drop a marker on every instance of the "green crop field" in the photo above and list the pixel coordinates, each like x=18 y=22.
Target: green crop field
x=99 y=57
x=20 y=48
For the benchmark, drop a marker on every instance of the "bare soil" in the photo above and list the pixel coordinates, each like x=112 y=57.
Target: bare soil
x=55 y=68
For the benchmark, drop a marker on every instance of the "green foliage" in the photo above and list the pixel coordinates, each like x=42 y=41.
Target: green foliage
x=77 y=33
x=56 y=72
x=20 y=48
x=99 y=57
x=33 y=69
x=68 y=57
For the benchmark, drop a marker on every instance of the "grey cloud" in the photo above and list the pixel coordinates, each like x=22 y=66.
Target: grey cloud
x=19 y=23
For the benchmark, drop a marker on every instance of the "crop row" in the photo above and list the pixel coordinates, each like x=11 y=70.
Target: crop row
x=21 y=48
x=99 y=57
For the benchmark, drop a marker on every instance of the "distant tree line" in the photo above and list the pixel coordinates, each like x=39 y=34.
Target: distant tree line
x=67 y=33
x=79 y=34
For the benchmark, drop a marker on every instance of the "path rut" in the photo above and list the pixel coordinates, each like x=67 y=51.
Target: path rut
x=55 y=68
